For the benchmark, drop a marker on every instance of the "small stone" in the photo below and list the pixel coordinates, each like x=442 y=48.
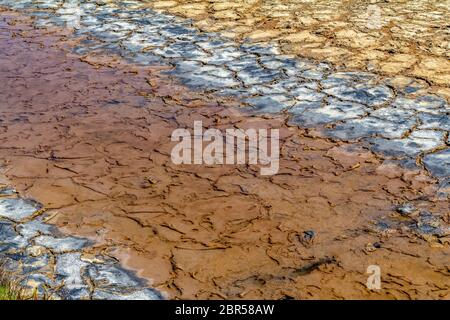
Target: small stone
x=406 y=209
x=308 y=237
x=370 y=248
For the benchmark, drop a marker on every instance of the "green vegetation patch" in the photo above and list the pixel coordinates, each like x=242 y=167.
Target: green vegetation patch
x=7 y=294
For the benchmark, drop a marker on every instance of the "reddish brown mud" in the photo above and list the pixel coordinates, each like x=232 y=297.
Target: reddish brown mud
x=89 y=137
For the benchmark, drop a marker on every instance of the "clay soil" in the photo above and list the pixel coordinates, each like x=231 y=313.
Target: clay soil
x=89 y=137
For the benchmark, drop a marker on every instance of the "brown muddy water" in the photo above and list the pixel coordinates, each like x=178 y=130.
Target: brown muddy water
x=89 y=137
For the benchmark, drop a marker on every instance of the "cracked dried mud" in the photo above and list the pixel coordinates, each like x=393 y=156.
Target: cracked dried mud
x=85 y=129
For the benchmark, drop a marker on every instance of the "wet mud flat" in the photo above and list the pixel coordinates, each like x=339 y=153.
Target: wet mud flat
x=89 y=138
x=403 y=117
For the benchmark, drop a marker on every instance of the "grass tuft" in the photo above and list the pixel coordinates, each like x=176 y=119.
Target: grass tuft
x=9 y=288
